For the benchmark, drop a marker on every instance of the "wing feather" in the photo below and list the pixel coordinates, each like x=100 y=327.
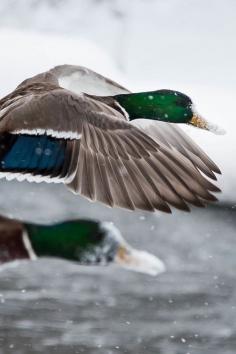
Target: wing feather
x=173 y=137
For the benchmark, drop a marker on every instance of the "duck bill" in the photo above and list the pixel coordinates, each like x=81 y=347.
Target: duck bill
x=199 y=122
x=139 y=261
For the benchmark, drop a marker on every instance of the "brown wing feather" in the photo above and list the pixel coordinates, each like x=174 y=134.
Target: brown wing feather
x=172 y=136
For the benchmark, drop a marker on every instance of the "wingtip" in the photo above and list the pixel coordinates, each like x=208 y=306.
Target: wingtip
x=164 y=208
x=218 y=171
x=215 y=168
x=215 y=189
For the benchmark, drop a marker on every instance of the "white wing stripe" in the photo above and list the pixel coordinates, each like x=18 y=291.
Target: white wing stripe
x=49 y=132
x=30 y=178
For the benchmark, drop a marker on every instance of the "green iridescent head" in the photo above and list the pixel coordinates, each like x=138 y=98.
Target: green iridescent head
x=164 y=105
x=89 y=242
x=84 y=241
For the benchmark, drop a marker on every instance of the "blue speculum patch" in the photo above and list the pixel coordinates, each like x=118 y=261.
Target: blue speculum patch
x=33 y=153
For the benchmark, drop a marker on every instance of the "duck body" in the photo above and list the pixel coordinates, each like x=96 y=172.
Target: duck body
x=86 y=242
x=71 y=126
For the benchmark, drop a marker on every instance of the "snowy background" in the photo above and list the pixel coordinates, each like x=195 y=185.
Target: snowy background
x=143 y=44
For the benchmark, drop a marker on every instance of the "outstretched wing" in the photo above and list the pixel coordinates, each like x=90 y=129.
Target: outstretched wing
x=98 y=154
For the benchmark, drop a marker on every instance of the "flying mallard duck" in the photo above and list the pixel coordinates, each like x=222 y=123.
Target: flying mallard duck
x=86 y=242
x=71 y=125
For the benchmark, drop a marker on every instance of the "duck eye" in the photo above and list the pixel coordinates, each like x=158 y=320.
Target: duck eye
x=183 y=101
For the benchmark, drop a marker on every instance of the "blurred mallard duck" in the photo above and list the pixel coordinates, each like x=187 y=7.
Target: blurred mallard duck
x=86 y=242
x=71 y=125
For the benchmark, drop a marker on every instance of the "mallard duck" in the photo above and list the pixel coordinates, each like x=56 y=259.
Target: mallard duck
x=71 y=125
x=87 y=242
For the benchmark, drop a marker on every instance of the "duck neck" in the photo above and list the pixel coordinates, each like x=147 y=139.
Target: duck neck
x=69 y=240
x=161 y=105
